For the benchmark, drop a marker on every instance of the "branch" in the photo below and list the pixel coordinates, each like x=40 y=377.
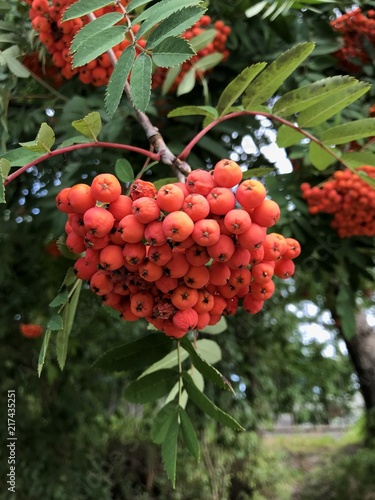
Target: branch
x=73 y=147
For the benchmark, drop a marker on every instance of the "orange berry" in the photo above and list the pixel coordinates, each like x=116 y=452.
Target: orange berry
x=227 y=173
x=121 y=207
x=141 y=304
x=131 y=230
x=237 y=221
x=200 y=182
x=197 y=276
x=206 y=232
x=177 y=226
x=221 y=200
x=266 y=214
x=196 y=206
x=250 y=193
x=80 y=198
x=145 y=209
x=222 y=250
x=98 y=221
x=100 y=283
x=105 y=188
x=185 y=320
x=184 y=297
x=170 y=198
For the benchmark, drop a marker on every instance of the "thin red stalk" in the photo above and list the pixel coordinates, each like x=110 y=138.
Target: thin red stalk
x=185 y=153
x=73 y=147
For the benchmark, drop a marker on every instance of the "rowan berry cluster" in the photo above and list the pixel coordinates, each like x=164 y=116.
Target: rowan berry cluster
x=358 y=36
x=350 y=200
x=218 y=45
x=182 y=256
x=57 y=36
x=46 y=71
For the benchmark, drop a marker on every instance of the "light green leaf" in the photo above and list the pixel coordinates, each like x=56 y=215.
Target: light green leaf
x=359 y=158
x=220 y=327
x=78 y=139
x=320 y=158
x=55 y=322
x=10 y=55
x=193 y=110
x=356 y=129
x=83 y=7
x=89 y=126
x=117 y=80
x=93 y=47
x=189 y=435
x=123 y=170
x=237 y=87
x=330 y=106
x=43 y=351
x=170 y=78
x=4 y=171
x=151 y=387
x=257 y=172
x=300 y=99
x=207 y=62
x=267 y=83
x=62 y=338
x=287 y=136
x=187 y=83
x=21 y=156
x=255 y=9
x=174 y=25
x=134 y=4
x=201 y=41
x=169 y=361
x=206 y=369
x=207 y=406
x=43 y=142
x=169 y=450
x=94 y=27
x=171 y=52
x=160 y=11
x=135 y=354
x=140 y=82
x=162 y=422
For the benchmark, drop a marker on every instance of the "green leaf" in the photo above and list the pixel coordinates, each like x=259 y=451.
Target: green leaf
x=151 y=387
x=70 y=277
x=174 y=25
x=118 y=78
x=162 y=182
x=135 y=354
x=187 y=83
x=123 y=170
x=78 y=139
x=201 y=41
x=170 y=78
x=356 y=129
x=207 y=406
x=140 y=82
x=160 y=11
x=93 y=47
x=93 y=28
x=237 y=87
x=4 y=171
x=89 y=126
x=134 y=4
x=267 y=83
x=83 y=7
x=320 y=158
x=10 y=55
x=345 y=306
x=287 y=136
x=220 y=327
x=206 y=369
x=64 y=250
x=169 y=450
x=193 y=110
x=169 y=361
x=55 y=323
x=189 y=435
x=43 y=142
x=300 y=99
x=60 y=299
x=21 y=156
x=255 y=9
x=359 y=158
x=43 y=351
x=207 y=62
x=330 y=106
x=162 y=422
x=171 y=52
x=257 y=172
x=62 y=338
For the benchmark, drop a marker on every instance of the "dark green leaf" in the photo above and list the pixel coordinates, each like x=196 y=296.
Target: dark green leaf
x=118 y=79
x=345 y=305
x=207 y=406
x=64 y=250
x=89 y=126
x=206 y=369
x=10 y=55
x=162 y=422
x=135 y=4
x=193 y=110
x=136 y=354
x=43 y=351
x=60 y=299
x=162 y=182
x=151 y=387
x=356 y=129
x=171 y=52
x=55 y=323
x=257 y=172
x=359 y=158
x=93 y=28
x=330 y=106
x=300 y=99
x=45 y=139
x=237 y=87
x=169 y=450
x=93 y=47
x=267 y=83
x=4 y=171
x=174 y=25
x=83 y=7
x=140 y=81
x=189 y=435
x=124 y=170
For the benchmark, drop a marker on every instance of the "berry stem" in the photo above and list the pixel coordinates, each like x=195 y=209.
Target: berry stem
x=186 y=151
x=73 y=147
